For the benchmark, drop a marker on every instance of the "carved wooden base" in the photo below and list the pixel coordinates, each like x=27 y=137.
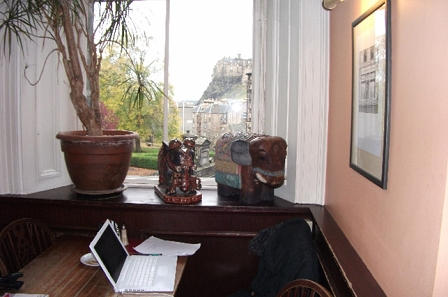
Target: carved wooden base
x=178 y=198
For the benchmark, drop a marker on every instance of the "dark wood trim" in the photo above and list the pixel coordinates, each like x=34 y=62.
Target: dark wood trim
x=349 y=274
x=145 y=233
x=223 y=226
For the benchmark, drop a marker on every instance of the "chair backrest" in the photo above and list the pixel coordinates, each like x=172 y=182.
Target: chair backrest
x=22 y=241
x=3 y=270
x=303 y=288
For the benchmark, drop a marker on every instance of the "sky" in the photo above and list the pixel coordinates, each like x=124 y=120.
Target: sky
x=202 y=32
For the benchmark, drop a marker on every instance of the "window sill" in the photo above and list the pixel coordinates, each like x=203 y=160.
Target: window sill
x=136 y=181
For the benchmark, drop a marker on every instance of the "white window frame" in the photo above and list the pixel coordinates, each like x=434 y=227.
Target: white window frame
x=296 y=68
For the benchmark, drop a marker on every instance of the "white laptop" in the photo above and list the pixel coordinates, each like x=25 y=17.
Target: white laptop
x=117 y=264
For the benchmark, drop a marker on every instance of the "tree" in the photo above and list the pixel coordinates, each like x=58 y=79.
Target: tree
x=129 y=90
x=109 y=120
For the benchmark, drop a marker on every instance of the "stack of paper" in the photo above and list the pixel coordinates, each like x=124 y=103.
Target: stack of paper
x=157 y=246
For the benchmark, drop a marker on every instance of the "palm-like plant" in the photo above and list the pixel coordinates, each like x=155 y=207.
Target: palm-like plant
x=78 y=41
x=128 y=80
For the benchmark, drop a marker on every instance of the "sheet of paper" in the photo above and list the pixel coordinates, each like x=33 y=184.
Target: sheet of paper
x=24 y=295
x=157 y=246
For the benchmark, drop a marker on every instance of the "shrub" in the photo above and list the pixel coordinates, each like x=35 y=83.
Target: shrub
x=147 y=159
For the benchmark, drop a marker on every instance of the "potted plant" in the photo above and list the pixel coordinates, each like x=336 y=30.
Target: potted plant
x=79 y=44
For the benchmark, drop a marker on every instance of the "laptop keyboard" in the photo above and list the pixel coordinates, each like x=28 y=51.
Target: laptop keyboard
x=142 y=273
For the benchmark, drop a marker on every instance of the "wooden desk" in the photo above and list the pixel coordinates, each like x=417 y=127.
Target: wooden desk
x=59 y=272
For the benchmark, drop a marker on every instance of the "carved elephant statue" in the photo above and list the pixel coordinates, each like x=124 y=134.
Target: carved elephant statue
x=249 y=165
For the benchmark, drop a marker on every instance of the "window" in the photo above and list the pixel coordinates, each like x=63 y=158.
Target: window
x=290 y=44
x=204 y=63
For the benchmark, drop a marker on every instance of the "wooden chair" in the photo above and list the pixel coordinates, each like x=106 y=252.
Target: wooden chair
x=22 y=241
x=3 y=270
x=303 y=288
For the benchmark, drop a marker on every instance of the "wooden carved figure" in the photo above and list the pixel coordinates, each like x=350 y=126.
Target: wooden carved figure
x=170 y=165
x=176 y=167
x=249 y=165
x=189 y=183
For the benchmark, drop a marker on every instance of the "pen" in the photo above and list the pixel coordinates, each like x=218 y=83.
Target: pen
x=155 y=254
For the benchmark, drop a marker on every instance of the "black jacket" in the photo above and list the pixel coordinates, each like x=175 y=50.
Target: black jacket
x=287 y=252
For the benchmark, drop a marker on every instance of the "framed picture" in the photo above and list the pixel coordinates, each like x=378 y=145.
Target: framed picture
x=371 y=46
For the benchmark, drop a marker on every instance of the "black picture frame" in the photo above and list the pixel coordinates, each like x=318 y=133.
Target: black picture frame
x=371 y=83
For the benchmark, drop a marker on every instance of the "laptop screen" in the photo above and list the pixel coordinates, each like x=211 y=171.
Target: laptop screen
x=111 y=252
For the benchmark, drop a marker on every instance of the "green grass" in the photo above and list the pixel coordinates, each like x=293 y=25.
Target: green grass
x=149 y=158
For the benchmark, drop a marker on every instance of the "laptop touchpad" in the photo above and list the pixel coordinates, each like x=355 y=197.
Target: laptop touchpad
x=162 y=271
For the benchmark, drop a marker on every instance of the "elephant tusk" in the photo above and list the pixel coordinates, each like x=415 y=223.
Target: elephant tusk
x=268 y=173
x=261 y=178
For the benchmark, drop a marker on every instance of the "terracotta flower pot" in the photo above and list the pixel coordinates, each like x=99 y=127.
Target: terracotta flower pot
x=97 y=165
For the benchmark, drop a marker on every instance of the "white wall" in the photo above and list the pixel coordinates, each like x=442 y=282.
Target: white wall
x=31 y=116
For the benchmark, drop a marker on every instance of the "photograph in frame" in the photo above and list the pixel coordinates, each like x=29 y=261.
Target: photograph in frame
x=370 y=94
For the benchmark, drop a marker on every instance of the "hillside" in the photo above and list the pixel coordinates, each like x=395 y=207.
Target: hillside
x=225 y=87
